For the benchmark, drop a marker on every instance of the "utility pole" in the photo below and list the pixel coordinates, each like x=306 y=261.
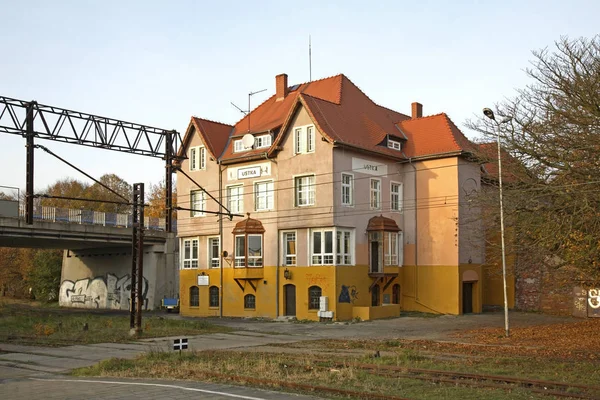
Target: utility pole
x=29 y=165
x=137 y=260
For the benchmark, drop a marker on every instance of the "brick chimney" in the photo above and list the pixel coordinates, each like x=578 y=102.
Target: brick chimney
x=281 y=86
x=417 y=110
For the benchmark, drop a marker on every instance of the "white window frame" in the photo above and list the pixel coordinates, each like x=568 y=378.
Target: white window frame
x=238 y=146
x=396 y=205
x=289 y=259
x=310 y=139
x=237 y=199
x=375 y=194
x=343 y=253
x=347 y=257
x=349 y=187
x=213 y=262
x=309 y=191
x=304 y=139
x=197 y=158
x=194 y=203
x=298 y=142
x=190 y=262
x=390 y=245
x=262 y=141
x=268 y=195
x=394 y=144
x=239 y=260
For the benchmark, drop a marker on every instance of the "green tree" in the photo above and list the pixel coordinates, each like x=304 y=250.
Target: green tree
x=552 y=196
x=44 y=277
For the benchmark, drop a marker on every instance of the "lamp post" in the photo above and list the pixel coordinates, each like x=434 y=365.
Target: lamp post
x=490 y=114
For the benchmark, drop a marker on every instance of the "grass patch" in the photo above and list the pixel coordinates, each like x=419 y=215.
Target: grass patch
x=202 y=366
x=34 y=324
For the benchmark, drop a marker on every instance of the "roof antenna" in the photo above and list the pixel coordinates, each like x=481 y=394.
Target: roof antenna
x=242 y=111
x=309 y=60
x=247 y=112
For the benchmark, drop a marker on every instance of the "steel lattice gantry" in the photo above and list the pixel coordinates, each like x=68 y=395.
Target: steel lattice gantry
x=31 y=119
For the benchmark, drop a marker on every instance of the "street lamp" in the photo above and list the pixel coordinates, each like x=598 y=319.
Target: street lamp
x=490 y=114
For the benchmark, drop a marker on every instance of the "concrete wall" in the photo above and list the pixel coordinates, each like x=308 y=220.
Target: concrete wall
x=101 y=278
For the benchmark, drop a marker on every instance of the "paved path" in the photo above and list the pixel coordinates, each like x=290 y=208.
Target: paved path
x=39 y=372
x=46 y=386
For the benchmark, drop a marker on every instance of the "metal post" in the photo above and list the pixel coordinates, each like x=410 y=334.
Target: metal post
x=169 y=181
x=490 y=114
x=29 y=167
x=140 y=261
x=221 y=259
x=506 y=327
x=134 y=259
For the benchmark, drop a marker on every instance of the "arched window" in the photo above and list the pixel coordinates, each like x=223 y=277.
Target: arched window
x=250 y=302
x=314 y=297
x=396 y=294
x=194 y=296
x=213 y=296
x=375 y=296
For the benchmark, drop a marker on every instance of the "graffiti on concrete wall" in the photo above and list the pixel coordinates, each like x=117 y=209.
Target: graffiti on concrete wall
x=586 y=303
x=349 y=294
x=317 y=280
x=108 y=291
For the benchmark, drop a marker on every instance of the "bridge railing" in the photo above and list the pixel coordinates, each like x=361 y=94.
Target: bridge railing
x=89 y=217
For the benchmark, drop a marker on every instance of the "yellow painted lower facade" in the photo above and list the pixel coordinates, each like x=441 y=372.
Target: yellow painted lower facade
x=431 y=289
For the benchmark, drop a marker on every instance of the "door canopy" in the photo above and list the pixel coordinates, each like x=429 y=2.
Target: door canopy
x=382 y=223
x=248 y=225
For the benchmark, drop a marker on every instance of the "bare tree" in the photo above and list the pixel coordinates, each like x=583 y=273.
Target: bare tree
x=553 y=139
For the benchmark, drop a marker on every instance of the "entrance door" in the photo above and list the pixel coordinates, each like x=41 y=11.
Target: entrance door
x=467 y=297
x=375 y=257
x=289 y=293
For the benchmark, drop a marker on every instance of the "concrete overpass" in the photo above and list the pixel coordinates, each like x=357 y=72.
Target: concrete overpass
x=60 y=235
x=97 y=257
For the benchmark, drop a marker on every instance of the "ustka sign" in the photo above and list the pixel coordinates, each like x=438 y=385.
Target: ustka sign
x=368 y=167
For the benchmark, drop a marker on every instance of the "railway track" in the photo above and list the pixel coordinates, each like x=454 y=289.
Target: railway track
x=550 y=388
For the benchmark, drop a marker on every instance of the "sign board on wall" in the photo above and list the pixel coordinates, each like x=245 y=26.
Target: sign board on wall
x=203 y=280
x=245 y=173
x=368 y=167
x=249 y=171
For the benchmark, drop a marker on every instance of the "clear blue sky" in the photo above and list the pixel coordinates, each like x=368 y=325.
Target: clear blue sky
x=159 y=62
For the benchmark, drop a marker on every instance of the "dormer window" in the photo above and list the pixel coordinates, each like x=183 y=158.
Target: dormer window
x=262 y=141
x=394 y=144
x=238 y=146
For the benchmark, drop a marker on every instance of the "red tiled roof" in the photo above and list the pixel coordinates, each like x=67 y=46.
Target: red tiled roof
x=347 y=116
x=214 y=135
x=435 y=134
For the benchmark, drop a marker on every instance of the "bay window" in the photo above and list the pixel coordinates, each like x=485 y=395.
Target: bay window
x=324 y=250
x=248 y=251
